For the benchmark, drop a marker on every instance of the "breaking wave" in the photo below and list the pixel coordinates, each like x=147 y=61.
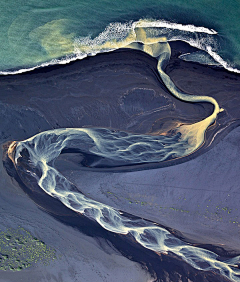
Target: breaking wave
x=115 y=34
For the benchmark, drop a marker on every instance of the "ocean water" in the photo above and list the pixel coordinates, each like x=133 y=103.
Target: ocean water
x=42 y=32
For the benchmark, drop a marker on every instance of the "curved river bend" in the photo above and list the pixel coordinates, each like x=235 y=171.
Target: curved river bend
x=120 y=147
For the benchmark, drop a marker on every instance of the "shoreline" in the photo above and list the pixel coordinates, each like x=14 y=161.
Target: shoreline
x=42 y=95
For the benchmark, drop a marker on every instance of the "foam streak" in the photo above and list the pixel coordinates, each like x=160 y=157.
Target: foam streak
x=116 y=33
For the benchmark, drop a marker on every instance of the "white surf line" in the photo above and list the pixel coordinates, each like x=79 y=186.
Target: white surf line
x=176 y=26
x=123 y=28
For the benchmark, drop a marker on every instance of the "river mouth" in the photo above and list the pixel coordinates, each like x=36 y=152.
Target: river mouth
x=224 y=122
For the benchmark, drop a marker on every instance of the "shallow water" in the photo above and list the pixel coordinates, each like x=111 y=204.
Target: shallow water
x=37 y=33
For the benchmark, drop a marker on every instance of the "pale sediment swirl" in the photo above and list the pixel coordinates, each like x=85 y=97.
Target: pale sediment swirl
x=192 y=133
x=158 y=47
x=123 y=148
x=62 y=48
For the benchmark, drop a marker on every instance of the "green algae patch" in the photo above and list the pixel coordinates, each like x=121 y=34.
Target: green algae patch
x=20 y=250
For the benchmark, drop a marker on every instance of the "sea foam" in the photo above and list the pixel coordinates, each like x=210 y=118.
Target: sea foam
x=199 y=37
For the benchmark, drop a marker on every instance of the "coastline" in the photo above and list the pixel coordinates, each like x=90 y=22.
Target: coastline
x=41 y=93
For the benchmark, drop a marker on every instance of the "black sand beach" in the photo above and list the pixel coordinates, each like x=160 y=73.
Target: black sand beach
x=195 y=197
x=84 y=249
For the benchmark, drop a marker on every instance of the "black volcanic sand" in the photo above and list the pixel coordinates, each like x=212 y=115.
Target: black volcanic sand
x=119 y=90
x=152 y=266
x=199 y=198
x=122 y=90
x=84 y=251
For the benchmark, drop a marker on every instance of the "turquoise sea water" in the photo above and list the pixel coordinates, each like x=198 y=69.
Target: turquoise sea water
x=35 y=32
